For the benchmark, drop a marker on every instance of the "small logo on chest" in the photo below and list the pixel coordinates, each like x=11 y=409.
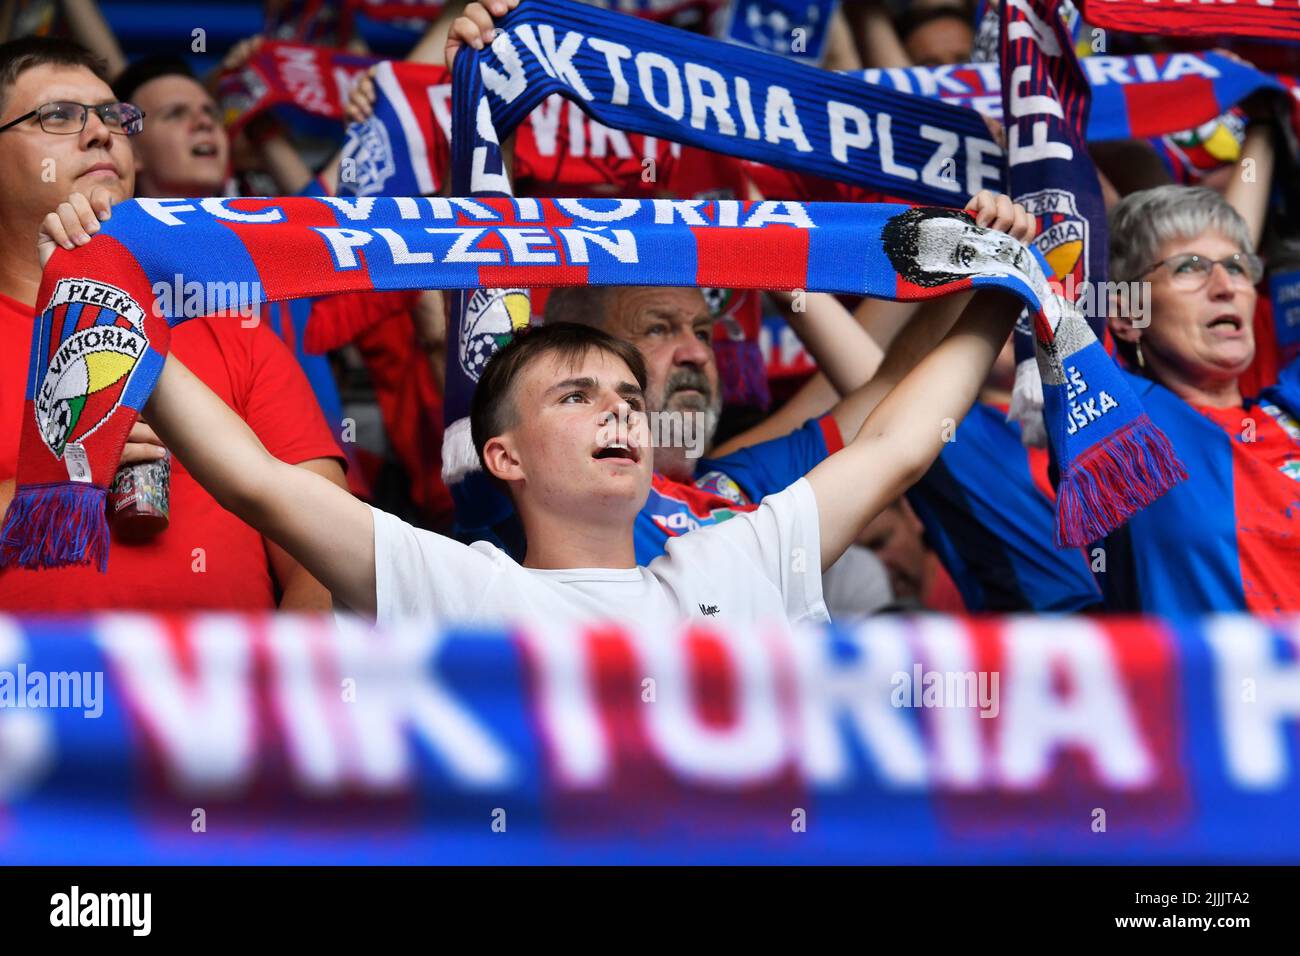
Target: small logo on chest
x=709 y=610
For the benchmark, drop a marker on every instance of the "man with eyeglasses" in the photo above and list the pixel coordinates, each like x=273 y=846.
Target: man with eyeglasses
x=65 y=143
x=1228 y=538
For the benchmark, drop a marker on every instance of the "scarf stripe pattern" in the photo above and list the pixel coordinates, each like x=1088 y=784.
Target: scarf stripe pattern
x=311 y=78
x=1046 y=101
x=650 y=79
x=401 y=150
x=1266 y=19
x=1133 y=97
x=103 y=333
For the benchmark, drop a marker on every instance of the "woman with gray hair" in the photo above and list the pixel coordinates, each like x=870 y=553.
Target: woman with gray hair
x=1227 y=539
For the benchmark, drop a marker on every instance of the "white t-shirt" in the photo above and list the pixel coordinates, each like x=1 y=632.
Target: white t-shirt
x=759 y=566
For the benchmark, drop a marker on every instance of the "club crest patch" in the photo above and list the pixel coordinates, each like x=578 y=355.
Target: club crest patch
x=101 y=339
x=492 y=317
x=1062 y=235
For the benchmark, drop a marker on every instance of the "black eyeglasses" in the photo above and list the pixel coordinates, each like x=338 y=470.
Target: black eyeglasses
x=68 y=119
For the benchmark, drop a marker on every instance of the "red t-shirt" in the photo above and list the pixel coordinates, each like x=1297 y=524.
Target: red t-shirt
x=1266 y=492
x=255 y=374
x=16 y=333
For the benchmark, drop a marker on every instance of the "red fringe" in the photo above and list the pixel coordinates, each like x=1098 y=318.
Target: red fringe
x=1112 y=481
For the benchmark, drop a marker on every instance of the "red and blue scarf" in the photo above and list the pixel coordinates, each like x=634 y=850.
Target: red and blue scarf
x=1045 y=101
x=102 y=336
x=1133 y=97
x=1265 y=19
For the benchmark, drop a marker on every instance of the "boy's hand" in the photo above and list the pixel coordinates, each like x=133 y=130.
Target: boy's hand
x=74 y=222
x=475 y=27
x=1000 y=213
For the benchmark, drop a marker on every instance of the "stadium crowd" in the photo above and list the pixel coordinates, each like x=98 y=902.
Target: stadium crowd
x=840 y=457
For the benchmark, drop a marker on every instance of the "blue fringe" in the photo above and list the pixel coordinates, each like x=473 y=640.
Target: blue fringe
x=56 y=525
x=1106 y=485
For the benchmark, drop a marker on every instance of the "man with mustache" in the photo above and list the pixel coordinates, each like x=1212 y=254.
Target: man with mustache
x=65 y=136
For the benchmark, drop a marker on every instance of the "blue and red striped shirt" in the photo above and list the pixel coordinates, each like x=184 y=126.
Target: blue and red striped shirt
x=1228 y=538
x=731 y=485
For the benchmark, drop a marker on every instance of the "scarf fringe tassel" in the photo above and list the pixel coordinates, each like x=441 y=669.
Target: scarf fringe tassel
x=1112 y=481
x=53 y=526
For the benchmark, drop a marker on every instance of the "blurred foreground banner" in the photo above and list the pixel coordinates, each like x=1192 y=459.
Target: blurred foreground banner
x=138 y=739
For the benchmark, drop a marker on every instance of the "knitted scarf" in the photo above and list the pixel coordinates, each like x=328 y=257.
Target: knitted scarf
x=651 y=79
x=1045 y=101
x=1133 y=97
x=797 y=29
x=311 y=78
x=106 y=313
x=1267 y=19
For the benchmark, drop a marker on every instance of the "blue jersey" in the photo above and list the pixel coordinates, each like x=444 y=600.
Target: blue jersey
x=1227 y=538
x=989 y=514
x=729 y=485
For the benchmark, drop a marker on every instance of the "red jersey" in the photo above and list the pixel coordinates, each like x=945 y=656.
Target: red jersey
x=1266 y=485
x=206 y=559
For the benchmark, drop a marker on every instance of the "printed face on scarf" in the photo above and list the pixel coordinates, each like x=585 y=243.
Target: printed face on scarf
x=39 y=170
x=566 y=450
x=673 y=329
x=957 y=246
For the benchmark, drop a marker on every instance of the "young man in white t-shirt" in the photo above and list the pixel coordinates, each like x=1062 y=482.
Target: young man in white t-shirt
x=546 y=422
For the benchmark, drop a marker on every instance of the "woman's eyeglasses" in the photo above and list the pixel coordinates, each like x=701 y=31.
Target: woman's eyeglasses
x=66 y=119
x=1191 y=272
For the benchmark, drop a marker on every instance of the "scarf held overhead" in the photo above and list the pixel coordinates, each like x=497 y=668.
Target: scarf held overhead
x=1133 y=97
x=1267 y=19
x=312 y=78
x=106 y=312
x=651 y=79
x=1046 y=100
x=403 y=148
x=656 y=81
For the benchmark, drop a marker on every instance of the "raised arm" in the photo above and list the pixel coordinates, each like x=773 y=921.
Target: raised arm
x=848 y=348
x=905 y=433
x=319 y=524
x=1249 y=194
x=90 y=29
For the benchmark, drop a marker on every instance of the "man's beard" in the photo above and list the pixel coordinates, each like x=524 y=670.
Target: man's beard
x=705 y=409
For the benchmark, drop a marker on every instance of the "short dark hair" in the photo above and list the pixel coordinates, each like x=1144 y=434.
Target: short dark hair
x=901 y=237
x=149 y=68
x=19 y=56
x=493 y=409
x=583 y=304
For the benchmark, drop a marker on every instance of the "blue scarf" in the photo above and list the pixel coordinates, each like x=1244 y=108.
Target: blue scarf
x=1045 y=100
x=646 y=78
x=797 y=29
